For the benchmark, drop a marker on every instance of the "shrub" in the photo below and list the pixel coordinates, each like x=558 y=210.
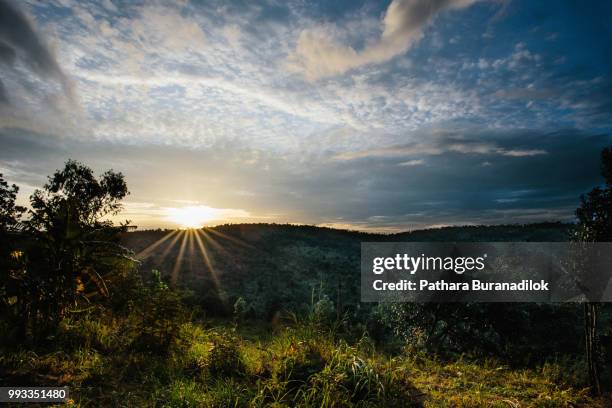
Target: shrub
x=241 y=310
x=323 y=312
x=224 y=358
x=157 y=316
x=89 y=331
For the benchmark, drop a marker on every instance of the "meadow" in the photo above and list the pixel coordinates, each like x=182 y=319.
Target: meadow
x=108 y=361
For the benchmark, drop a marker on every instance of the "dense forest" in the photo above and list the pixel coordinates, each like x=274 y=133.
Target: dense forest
x=255 y=315
x=277 y=267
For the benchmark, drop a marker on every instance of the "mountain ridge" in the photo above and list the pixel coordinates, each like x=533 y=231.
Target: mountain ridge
x=278 y=266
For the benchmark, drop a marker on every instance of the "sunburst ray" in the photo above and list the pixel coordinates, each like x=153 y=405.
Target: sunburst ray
x=205 y=256
x=179 y=259
x=159 y=259
x=149 y=249
x=229 y=238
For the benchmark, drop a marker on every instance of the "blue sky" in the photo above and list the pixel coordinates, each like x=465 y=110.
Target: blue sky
x=370 y=115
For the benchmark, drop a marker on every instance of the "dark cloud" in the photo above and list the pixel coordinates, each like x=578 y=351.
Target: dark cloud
x=470 y=185
x=7 y=54
x=3 y=95
x=20 y=41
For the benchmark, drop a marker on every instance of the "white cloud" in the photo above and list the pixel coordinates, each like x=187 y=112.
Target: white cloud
x=165 y=27
x=198 y=77
x=233 y=34
x=318 y=54
x=410 y=163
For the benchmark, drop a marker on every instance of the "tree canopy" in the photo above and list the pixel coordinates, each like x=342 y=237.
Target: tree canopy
x=69 y=247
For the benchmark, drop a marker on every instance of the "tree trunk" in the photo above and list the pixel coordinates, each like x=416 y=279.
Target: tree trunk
x=339 y=301
x=592 y=352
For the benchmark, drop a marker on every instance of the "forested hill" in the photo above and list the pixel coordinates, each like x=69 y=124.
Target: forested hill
x=542 y=232
x=275 y=266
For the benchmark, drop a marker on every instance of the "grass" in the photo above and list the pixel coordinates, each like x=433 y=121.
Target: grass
x=296 y=366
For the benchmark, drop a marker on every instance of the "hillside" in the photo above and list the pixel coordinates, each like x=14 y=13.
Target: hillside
x=275 y=266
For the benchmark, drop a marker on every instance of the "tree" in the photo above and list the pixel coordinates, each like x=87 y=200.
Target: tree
x=595 y=225
x=10 y=258
x=160 y=313
x=10 y=221
x=10 y=213
x=74 y=246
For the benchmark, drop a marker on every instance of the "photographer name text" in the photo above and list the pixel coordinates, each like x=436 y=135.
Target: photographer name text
x=474 y=285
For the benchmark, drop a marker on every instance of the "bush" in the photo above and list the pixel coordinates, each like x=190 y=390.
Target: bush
x=241 y=310
x=157 y=315
x=224 y=359
x=323 y=312
x=89 y=331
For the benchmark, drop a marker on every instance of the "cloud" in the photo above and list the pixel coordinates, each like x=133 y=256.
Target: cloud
x=415 y=162
x=522 y=153
x=233 y=34
x=19 y=42
x=167 y=28
x=198 y=215
x=317 y=56
x=174 y=74
x=442 y=142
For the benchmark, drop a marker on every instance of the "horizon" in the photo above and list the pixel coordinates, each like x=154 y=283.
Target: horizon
x=374 y=116
x=135 y=228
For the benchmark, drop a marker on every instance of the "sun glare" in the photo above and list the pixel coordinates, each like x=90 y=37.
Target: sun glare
x=192 y=216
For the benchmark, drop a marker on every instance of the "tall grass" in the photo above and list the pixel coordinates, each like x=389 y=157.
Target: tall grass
x=306 y=363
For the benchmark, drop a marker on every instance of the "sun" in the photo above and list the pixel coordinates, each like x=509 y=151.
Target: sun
x=191 y=216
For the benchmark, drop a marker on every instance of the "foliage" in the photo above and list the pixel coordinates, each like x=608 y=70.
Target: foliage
x=241 y=310
x=156 y=316
x=68 y=250
x=294 y=368
x=276 y=267
x=323 y=311
x=595 y=225
x=224 y=357
x=11 y=258
x=521 y=333
x=10 y=212
x=76 y=248
x=595 y=212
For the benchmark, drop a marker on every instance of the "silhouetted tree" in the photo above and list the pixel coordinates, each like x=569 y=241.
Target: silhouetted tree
x=10 y=213
x=595 y=225
x=10 y=219
x=10 y=258
x=74 y=246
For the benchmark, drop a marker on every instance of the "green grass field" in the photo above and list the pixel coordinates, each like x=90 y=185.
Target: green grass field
x=296 y=364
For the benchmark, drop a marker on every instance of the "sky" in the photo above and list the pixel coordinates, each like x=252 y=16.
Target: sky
x=378 y=116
